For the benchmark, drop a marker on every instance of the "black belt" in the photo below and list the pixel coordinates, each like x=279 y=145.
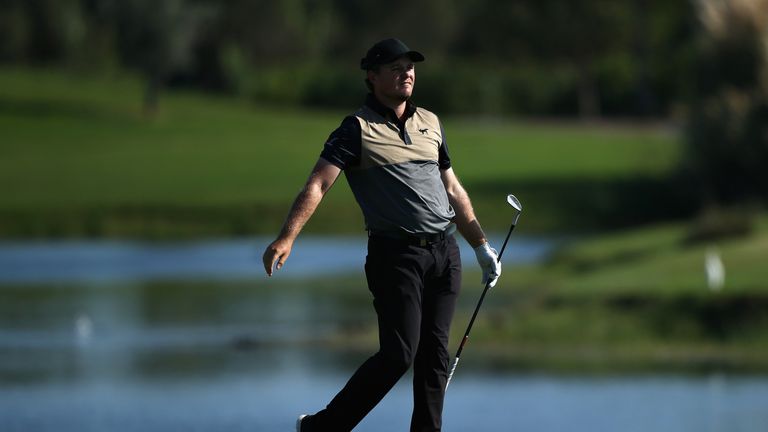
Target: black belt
x=422 y=239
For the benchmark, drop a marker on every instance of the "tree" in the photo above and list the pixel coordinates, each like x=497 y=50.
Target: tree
x=156 y=37
x=727 y=141
x=40 y=31
x=552 y=35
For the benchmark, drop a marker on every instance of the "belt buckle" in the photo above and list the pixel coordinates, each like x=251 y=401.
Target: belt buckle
x=422 y=241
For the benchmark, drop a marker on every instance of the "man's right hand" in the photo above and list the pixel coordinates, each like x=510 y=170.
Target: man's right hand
x=278 y=252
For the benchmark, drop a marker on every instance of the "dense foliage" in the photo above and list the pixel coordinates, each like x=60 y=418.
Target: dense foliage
x=591 y=58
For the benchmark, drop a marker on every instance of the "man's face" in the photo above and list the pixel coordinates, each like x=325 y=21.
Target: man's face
x=394 y=80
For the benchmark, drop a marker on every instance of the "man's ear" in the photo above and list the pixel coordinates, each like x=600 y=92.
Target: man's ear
x=372 y=76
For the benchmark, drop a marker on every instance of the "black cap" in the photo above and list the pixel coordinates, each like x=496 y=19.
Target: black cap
x=386 y=51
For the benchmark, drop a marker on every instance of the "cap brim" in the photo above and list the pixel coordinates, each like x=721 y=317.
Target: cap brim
x=414 y=56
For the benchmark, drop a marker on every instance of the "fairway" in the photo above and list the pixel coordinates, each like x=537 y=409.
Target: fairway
x=79 y=144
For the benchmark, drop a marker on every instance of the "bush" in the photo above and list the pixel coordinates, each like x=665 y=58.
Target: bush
x=719 y=223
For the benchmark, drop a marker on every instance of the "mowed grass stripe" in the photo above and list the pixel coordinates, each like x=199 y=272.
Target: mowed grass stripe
x=82 y=141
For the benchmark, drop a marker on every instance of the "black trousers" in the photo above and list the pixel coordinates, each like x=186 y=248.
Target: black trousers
x=414 y=293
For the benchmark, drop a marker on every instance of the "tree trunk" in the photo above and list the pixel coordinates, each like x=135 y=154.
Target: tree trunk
x=645 y=100
x=152 y=95
x=588 y=94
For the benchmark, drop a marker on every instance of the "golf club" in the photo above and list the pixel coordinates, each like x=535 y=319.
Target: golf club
x=515 y=203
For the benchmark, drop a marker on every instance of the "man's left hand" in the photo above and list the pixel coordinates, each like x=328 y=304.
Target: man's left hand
x=488 y=259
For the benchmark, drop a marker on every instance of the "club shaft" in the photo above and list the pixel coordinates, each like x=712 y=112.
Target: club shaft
x=506 y=240
x=477 y=309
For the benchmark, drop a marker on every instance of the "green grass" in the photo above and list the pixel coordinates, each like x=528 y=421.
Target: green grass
x=658 y=261
x=78 y=147
x=513 y=151
x=93 y=147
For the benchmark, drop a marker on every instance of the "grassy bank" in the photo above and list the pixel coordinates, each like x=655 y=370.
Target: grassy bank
x=638 y=296
x=80 y=159
x=630 y=300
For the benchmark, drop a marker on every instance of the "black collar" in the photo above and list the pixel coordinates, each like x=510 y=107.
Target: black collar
x=385 y=111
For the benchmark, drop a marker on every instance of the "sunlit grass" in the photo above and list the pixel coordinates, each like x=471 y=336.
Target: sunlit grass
x=79 y=141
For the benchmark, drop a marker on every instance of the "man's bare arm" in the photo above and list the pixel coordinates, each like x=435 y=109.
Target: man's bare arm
x=465 y=219
x=323 y=175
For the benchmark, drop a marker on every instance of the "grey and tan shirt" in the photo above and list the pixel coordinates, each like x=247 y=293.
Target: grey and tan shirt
x=393 y=167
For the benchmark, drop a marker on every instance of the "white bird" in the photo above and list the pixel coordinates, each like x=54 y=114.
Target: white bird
x=83 y=329
x=715 y=270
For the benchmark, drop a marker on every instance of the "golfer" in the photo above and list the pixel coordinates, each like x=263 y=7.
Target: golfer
x=396 y=160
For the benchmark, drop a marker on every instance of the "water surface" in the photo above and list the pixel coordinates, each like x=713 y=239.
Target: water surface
x=132 y=344
x=99 y=261
x=199 y=389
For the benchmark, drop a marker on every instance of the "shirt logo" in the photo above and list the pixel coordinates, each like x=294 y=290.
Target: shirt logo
x=423 y=131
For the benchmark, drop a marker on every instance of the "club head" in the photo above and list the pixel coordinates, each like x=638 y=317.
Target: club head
x=514 y=202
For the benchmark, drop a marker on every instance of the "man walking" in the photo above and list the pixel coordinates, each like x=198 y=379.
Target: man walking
x=396 y=161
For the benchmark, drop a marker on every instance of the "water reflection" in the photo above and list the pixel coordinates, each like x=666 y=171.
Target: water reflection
x=219 y=388
x=244 y=356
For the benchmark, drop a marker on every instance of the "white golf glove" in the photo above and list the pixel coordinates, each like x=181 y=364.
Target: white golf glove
x=487 y=257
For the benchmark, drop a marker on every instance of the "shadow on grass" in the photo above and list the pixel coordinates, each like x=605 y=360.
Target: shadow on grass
x=551 y=206
x=49 y=108
x=579 y=205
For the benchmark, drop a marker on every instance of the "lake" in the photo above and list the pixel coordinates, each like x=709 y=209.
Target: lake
x=97 y=261
x=194 y=387
x=117 y=336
